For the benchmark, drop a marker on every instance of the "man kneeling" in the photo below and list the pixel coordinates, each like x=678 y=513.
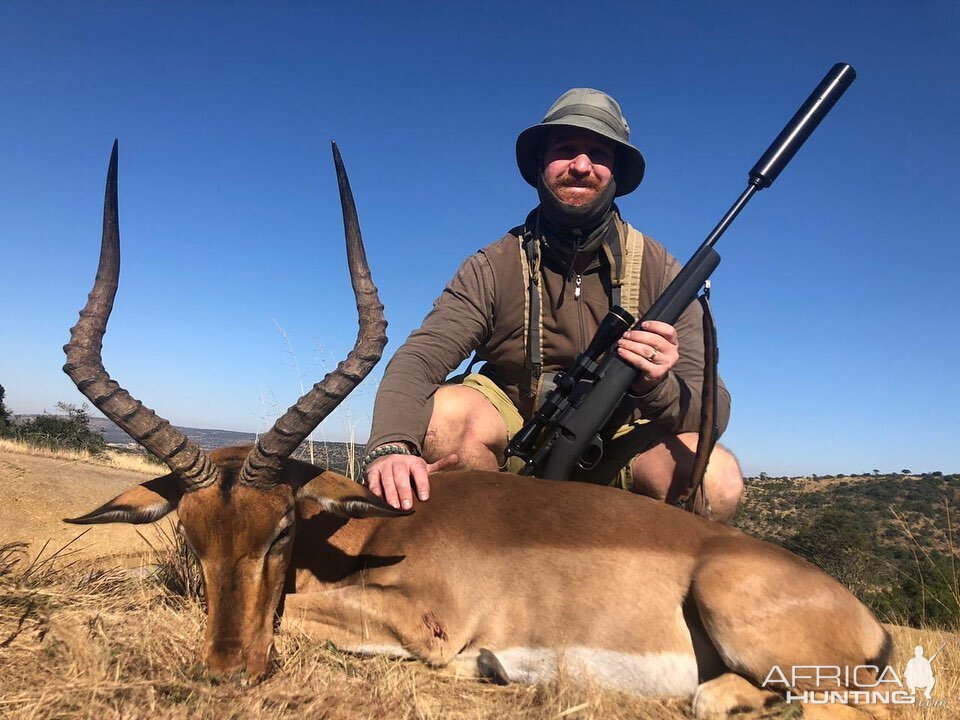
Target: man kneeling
x=527 y=305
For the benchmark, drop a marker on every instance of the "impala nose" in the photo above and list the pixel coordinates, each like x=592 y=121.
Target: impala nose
x=224 y=661
x=230 y=662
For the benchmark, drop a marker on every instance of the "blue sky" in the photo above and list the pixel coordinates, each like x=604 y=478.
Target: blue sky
x=836 y=298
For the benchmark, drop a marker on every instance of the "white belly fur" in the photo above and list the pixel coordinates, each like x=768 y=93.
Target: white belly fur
x=647 y=674
x=642 y=674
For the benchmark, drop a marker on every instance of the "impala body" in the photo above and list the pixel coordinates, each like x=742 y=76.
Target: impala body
x=497 y=576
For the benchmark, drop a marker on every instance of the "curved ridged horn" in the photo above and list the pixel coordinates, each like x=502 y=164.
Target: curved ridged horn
x=85 y=366
x=266 y=459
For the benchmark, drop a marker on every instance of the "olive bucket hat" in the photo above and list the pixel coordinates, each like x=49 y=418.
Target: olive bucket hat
x=590 y=110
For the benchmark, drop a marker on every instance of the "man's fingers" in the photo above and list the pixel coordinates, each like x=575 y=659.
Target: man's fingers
x=389 y=486
x=395 y=478
x=638 y=360
x=420 y=479
x=373 y=482
x=655 y=341
x=443 y=463
x=664 y=330
x=404 y=491
x=634 y=352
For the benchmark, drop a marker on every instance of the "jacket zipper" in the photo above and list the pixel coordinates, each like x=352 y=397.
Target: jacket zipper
x=576 y=296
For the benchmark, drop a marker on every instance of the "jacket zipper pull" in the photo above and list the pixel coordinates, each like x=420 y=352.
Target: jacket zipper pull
x=576 y=290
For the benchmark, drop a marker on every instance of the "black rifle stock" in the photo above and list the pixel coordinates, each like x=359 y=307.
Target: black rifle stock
x=567 y=423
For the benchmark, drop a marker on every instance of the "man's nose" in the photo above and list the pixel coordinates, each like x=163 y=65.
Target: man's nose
x=581 y=164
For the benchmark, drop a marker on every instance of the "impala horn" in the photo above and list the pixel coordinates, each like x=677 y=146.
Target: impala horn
x=85 y=365
x=265 y=460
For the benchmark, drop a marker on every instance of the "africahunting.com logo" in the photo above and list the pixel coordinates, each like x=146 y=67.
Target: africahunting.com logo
x=862 y=684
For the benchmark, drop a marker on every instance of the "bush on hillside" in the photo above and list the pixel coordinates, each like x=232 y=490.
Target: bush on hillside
x=4 y=413
x=70 y=431
x=890 y=539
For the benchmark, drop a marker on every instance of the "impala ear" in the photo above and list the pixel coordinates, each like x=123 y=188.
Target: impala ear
x=144 y=503
x=339 y=495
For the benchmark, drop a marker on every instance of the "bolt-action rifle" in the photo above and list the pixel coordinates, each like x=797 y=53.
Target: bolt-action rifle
x=564 y=430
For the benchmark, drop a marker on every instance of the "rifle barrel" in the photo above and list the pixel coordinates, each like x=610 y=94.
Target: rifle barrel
x=802 y=124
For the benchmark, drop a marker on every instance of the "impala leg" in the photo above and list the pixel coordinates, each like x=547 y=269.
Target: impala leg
x=768 y=613
x=477 y=665
x=372 y=620
x=845 y=712
x=490 y=668
x=729 y=694
x=351 y=623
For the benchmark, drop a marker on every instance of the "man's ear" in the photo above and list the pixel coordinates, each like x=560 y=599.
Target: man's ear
x=341 y=496
x=144 y=503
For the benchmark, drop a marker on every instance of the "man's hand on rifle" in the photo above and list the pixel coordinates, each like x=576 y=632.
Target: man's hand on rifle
x=394 y=477
x=653 y=351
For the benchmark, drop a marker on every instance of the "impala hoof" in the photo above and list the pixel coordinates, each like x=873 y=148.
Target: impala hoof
x=729 y=695
x=490 y=668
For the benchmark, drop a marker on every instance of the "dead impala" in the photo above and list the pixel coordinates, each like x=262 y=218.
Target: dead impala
x=497 y=576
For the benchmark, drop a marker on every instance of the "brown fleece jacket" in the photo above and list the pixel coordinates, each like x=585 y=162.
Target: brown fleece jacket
x=481 y=309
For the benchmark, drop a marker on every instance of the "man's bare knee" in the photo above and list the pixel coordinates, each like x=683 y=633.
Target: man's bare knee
x=663 y=472
x=722 y=481
x=465 y=422
x=722 y=485
x=654 y=469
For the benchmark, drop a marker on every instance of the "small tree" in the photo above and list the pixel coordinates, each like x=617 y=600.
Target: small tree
x=70 y=432
x=835 y=540
x=4 y=413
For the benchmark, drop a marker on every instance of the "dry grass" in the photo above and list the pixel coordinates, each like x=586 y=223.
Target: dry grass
x=946 y=668
x=116 y=645
x=109 y=644
x=78 y=643
x=121 y=460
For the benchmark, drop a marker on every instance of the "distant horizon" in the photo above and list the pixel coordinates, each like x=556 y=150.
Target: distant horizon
x=860 y=473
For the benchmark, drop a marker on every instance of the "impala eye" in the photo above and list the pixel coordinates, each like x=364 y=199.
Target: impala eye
x=282 y=537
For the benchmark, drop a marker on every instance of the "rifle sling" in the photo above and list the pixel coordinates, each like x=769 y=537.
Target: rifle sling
x=708 y=410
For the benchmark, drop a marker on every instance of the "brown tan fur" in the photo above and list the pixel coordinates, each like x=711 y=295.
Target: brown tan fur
x=498 y=561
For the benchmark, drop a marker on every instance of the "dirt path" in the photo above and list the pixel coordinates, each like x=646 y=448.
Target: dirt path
x=36 y=493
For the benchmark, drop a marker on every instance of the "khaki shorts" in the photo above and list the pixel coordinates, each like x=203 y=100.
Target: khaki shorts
x=619 y=447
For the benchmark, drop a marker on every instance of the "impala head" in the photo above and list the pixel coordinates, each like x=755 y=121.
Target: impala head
x=237 y=505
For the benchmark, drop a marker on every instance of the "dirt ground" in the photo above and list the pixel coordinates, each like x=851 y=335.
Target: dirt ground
x=36 y=493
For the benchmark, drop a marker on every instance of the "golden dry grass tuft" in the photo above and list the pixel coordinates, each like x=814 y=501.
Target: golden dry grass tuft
x=77 y=642
x=81 y=639
x=80 y=642
x=119 y=459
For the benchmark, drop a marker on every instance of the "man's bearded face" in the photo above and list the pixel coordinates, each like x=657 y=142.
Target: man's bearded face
x=577 y=164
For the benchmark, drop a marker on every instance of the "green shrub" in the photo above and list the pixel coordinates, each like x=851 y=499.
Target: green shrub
x=70 y=431
x=4 y=413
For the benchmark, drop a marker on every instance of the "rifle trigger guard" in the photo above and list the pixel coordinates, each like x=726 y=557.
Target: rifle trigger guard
x=592 y=454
